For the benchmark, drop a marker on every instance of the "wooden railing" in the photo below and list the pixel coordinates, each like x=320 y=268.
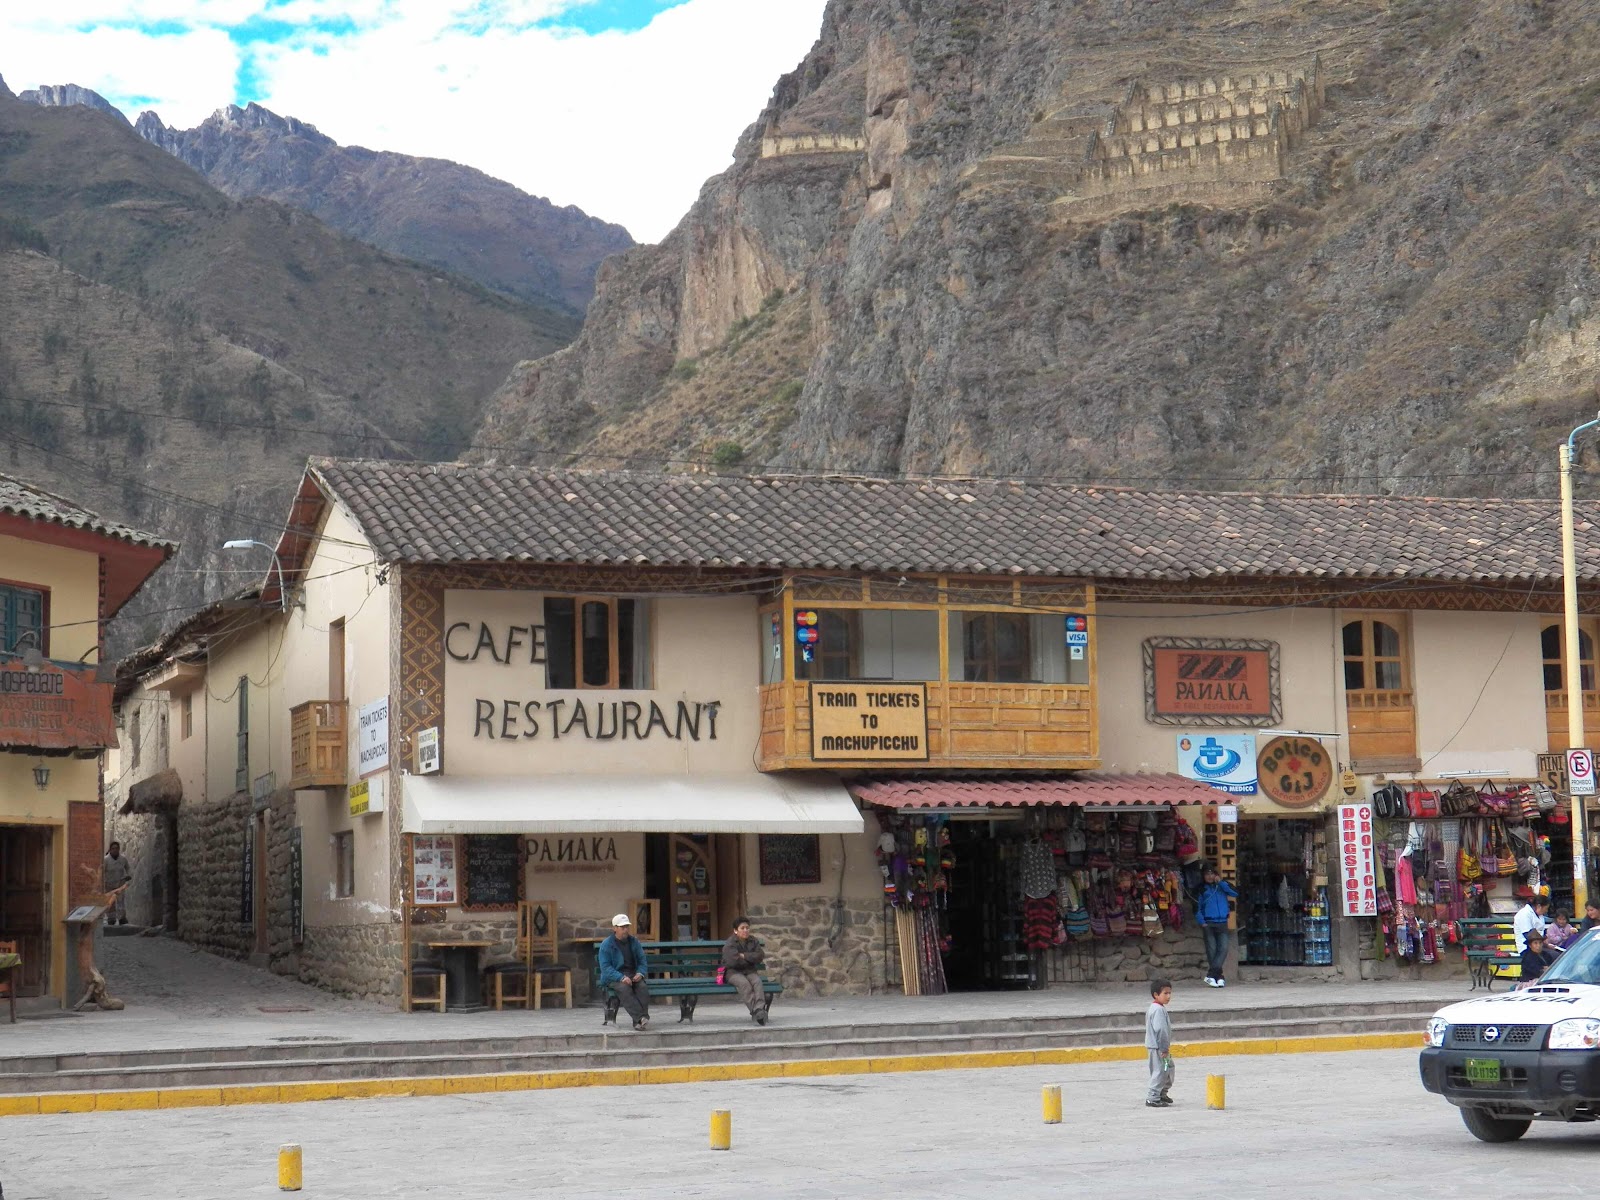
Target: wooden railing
x=318 y=753
x=1017 y=726
x=1555 y=719
x=1383 y=727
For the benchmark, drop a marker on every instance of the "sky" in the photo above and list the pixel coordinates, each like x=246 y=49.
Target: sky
x=621 y=107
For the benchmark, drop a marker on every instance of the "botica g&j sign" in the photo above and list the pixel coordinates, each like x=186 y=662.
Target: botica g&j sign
x=1294 y=770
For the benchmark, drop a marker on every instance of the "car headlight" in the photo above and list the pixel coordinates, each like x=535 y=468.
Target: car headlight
x=1436 y=1028
x=1582 y=1033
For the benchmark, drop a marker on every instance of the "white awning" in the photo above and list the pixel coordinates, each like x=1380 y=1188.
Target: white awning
x=628 y=804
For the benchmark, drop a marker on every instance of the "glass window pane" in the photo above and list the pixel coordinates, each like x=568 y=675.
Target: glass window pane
x=1355 y=675
x=1387 y=675
x=1552 y=677
x=560 y=669
x=1550 y=641
x=633 y=644
x=1585 y=646
x=1385 y=640
x=1586 y=676
x=596 y=645
x=1352 y=640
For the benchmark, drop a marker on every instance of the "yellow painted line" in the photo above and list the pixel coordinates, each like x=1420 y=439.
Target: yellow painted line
x=363 y=1089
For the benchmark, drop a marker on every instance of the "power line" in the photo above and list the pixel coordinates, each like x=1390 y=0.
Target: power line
x=563 y=457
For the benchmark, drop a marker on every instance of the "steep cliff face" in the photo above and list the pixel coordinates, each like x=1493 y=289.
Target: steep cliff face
x=70 y=95
x=425 y=209
x=1287 y=243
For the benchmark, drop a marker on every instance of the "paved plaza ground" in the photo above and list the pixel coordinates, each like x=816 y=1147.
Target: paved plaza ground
x=181 y=997
x=1299 y=1126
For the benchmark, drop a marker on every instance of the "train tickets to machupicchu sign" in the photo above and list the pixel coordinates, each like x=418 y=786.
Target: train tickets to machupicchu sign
x=858 y=722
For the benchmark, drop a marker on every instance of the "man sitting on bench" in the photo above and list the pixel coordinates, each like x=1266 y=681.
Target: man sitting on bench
x=623 y=967
x=742 y=957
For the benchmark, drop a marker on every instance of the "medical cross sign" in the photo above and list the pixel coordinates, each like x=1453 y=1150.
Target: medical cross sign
x=1580 y=772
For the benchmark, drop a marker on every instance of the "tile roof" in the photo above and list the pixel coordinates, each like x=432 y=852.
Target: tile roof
x=24 y=500
x=449 y=513
x=1085 y=788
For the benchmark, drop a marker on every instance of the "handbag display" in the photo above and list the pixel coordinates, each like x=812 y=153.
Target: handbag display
x=1422 y=804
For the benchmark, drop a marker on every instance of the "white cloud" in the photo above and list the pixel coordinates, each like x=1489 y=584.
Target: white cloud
x=625 y=125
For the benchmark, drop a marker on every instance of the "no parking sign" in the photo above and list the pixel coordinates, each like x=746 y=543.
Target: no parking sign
x=1580 y=772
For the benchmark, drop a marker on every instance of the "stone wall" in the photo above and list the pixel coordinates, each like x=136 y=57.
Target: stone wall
x=1175 y=955
x=211 y=837
x=777 y=145
x=353 y=960
x=817 y=949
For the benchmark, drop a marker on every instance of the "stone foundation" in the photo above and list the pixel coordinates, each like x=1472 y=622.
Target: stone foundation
x=817 y=949
x=362 y=961
x=1174 y=955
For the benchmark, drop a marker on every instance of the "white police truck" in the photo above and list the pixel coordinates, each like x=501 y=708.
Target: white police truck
x=1522 y=1056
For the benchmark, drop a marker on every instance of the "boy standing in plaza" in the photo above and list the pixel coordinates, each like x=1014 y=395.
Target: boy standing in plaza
x=1158 y=1044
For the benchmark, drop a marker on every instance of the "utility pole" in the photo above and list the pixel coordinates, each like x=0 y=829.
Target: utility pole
x=1572 y=663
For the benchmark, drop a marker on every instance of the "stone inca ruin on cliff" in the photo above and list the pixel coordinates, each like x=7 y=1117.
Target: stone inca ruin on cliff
x=1213 y=140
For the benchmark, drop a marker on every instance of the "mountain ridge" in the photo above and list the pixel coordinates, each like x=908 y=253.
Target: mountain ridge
x=1279 y=244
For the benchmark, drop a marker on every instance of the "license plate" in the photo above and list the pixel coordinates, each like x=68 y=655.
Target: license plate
x=1483 y=1070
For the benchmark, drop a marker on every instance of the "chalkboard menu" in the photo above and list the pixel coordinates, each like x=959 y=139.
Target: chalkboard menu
x=493 y=871
x=791 y=858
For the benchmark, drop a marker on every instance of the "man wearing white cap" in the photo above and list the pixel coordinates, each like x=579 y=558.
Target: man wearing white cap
x=623 y=967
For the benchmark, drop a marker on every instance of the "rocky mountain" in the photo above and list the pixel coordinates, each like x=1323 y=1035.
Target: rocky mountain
x=426 y=209
x=1341 y=244
x=67 y=95
x=170 y=356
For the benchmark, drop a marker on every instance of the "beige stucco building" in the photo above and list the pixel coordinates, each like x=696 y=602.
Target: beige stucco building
x=848 y=708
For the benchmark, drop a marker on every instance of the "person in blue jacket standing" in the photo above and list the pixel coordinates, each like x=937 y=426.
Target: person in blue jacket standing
x=623 y=967
x=1211 y=910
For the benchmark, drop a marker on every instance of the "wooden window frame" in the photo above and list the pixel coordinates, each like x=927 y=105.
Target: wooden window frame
x=992 y=665
x=344 y=848
x=1369 y=658
x=241 y=767
x=1588 y=627
x=8 y=589
x=644 y=617
x=185 y=716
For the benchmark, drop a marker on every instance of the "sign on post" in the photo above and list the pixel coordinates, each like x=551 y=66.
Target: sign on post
x=1357 y=872
x=1580 y=772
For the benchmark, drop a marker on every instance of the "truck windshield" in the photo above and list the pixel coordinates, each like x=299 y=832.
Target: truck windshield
x=1579 y=963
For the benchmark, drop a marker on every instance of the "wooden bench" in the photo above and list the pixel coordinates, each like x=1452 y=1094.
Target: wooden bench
x=683 y=970
x=1491 y=948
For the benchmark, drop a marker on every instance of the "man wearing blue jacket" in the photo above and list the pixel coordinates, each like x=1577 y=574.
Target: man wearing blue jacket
x=623 y=966
x=1211 y=910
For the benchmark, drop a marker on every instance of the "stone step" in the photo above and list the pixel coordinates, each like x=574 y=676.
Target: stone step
x=607 y=1037
x=654 y=1049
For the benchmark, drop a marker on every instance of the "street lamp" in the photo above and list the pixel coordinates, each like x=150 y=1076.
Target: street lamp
x=245 y=544
x=1569 y=602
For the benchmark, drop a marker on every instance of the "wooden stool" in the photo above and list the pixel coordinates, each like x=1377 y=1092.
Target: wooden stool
x=421 y=973
x=555 y=978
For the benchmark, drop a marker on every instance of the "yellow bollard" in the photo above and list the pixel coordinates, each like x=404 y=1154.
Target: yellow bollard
x=1051 y=1101
x=1216 y=1091
x=289 y=1168
x=721 y=1129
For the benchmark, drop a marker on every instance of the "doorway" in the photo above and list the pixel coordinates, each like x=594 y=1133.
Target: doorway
x=699 y=880
x=25 y=901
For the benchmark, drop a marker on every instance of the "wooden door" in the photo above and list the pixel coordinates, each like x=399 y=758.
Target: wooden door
x=259 y=886
x=694 y=888
x=336 y=660
x=730 y=904
x=25 y=902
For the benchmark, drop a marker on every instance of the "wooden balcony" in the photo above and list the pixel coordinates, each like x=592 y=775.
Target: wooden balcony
x=1010 y=726
x=1555 y=720
x=1383 y=729
x=318 y=754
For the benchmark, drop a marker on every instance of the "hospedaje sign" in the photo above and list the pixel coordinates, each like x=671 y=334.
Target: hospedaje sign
x=54 y=706
x=1211 y=682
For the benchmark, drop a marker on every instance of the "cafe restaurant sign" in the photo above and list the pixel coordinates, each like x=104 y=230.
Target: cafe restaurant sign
x=54 y=706
x=861 y=722
x=1211 y=682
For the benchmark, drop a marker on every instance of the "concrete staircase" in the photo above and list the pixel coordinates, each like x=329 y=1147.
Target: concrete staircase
x=672 y=1045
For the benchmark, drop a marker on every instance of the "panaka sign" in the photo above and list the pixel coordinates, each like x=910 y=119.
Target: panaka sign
x=1295 y=771
x=1210 y=681
x=54 y=706
x=1357 y=873
x=856 y=722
